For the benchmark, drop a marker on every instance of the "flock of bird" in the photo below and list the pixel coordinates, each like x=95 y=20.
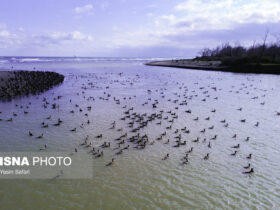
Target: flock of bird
x=23 y=83
x=149 y=112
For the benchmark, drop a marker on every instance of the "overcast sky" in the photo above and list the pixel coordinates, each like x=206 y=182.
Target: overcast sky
x=132 y=28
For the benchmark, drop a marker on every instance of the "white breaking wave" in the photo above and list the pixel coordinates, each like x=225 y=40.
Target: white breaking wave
x=71 y=59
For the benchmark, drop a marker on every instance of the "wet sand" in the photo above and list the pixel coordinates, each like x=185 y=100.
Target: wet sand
x=19 y=83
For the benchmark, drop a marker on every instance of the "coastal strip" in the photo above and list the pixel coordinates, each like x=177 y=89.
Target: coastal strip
x=23 y=83
x=217 y=66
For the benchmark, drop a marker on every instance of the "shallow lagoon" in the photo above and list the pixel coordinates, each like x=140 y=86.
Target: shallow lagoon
x=140 y=178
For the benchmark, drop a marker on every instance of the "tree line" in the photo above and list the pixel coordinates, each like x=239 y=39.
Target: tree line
x=257 y=53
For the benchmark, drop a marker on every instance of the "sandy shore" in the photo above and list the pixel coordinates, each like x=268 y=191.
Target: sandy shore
x=23 y=83
x=216 y=66
x=207 y=65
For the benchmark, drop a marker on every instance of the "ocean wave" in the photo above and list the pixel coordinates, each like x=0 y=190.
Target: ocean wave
x=72 y=59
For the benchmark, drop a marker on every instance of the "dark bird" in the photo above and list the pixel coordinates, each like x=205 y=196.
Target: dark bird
x=248 y=166
x=249 y=172
x=237 y=146
x=99 y=154
x=167 y=142
x=189 y=151
x=206 y=157
x=110 y=163
x=166 y=157
x=41 y=136
x=249 y=156
x=234 y=153
x=119 y=152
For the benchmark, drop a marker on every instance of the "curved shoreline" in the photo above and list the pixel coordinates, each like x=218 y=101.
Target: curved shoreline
x=23 y=83
x=215 y=66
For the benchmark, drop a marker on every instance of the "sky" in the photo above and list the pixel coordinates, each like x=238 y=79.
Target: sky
x=132 y=28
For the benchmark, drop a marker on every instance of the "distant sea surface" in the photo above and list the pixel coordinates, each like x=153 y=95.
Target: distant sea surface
x=140 y=179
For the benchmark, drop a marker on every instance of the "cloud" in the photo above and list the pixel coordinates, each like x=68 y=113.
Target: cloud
x=87 y=9
x=52 y=43
x=4 y=33
x=227 y=14
x=9 y=40
x=154 y=51
x=181 y=29
x=61 y=37
x=195 y=24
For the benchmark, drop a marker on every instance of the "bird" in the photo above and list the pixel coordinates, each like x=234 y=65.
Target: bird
x=249 y=172
x=41 y=136
x=249 y=156
x=167 y=142
x=234 y=153
x=110 y=163
x=166 y=157
x=189 y=151
x=237 y=146
x=99 y=136
x=99 y=154
x=206 y=157
x=196 y=140
x=248 y=166
x=45 y=147
x=45 y=126
x=119 y=152
x=186 y=161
